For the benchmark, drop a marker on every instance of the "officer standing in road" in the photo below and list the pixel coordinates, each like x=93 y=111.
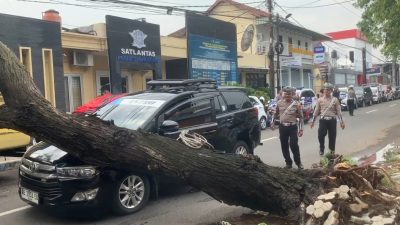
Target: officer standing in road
x=351 y=100
x=328 y=107
x=288 y=110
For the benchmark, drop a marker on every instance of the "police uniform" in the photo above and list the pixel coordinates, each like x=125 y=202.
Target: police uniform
x=288 y=112
x=351 y=100
x=328 y=108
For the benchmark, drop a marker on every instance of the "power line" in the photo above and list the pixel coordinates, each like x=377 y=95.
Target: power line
x=316 y=6
x=348 y=9
x=298 y=23
x=245 y=12
x=310 y=3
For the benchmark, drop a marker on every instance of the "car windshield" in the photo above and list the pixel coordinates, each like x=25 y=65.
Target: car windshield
x=130 y=113
x=343 y=94
x=359 y=91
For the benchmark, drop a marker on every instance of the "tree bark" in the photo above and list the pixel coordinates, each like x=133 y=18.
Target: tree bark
x=232 y=179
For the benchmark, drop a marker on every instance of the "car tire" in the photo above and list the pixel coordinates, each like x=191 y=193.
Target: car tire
x=263 y=123
x=133 y=188
x=241 y=148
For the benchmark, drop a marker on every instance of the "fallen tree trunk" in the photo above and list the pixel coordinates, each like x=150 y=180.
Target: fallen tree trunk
x=232 y=179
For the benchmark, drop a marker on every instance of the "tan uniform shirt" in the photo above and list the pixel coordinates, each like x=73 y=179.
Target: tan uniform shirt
x=291 y=114
x=332 y=110
x=351 y=94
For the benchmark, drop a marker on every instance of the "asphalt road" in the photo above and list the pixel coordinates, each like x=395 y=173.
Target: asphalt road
x=369 y=130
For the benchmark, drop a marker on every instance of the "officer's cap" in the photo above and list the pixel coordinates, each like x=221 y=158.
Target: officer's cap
x=288 y=89
x=328 y=86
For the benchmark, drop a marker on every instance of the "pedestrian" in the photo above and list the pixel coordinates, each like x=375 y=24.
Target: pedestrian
x=351 y=100
x=336 y=94
x=288 y=111
x=328 y=108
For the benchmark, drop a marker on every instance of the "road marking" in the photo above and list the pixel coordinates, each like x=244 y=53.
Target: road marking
x=268 y=139
x=15 y=210
x=371 y=111
x=393 y=105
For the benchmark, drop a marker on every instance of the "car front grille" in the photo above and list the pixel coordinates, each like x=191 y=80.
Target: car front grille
x=44 y=188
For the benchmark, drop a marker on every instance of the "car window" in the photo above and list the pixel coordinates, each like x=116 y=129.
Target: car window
x=237 y=100
x=307 y=93
x=130 y=113
x=192 y=113
x=219 y=105
x=253 y=101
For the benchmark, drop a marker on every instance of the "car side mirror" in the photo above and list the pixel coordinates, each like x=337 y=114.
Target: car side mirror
x=169 y=126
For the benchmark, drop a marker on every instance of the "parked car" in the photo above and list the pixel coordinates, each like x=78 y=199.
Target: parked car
x=262 y=115
x=364 y=95
x=51 y=177
x=396 y=92
x=308 y=100
x=376 y=94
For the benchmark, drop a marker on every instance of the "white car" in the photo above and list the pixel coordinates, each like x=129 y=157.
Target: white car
x=308 y=99
x=262 y=116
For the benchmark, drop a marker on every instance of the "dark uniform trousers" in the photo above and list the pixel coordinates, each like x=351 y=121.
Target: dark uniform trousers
x=351 y=105
x=288 y=136
x=327 y=126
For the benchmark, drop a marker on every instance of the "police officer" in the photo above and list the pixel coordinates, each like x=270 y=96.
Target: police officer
x=288 y=110
x=328 y=108
x=351 y=100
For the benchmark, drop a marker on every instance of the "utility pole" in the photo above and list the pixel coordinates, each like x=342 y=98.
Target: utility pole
x=278 y=52
x=364 y=64
x=271 y=71
x=393 y=80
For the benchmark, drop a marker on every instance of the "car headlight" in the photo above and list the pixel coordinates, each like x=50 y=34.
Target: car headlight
x=77 y=172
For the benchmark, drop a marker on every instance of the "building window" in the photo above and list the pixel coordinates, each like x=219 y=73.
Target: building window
x=298 y=44
x=25 y=57
x=48 y=75
x=306 y=45
x=73 y=91
x=280 y=38
x=255 y=80
x=102 y=82
x=290 y=41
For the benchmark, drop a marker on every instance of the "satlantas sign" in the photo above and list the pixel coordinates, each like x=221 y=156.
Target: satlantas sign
x=138 y=41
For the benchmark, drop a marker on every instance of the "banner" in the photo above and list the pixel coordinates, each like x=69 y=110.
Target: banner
x=212 y=49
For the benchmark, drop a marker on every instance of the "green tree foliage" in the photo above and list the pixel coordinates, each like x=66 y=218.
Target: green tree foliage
x=381 y=24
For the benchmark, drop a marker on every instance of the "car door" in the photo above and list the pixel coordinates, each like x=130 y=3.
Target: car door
x=197 y=115
x=237 y=121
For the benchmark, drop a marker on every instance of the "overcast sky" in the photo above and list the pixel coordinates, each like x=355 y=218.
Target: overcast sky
x=321 y=19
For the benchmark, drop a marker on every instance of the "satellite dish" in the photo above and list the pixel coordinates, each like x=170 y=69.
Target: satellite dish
x=247 y=38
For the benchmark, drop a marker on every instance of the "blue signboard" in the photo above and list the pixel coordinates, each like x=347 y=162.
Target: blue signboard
x=319 y=49
x=212 y=58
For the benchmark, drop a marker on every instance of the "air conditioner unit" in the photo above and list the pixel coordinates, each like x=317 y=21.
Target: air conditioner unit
x=82 y=59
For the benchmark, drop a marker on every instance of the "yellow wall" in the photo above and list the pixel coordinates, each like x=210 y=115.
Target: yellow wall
x=172 y=47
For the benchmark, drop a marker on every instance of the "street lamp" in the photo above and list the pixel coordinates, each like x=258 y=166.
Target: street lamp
x=279 y=50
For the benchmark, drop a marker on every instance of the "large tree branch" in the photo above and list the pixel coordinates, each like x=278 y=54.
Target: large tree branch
x=233 y=179
x=6 y=117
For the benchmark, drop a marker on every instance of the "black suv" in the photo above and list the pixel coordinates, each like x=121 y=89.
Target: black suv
x=51 y=177
x=364 y=95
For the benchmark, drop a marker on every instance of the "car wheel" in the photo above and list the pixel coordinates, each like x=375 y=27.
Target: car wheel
x=263 y=123
x=130 y=194
x=241 y=148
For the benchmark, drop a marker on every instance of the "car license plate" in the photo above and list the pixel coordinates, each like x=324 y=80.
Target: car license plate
x=30 y=195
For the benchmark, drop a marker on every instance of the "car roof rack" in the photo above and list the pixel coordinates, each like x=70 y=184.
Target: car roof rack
x=182 y=84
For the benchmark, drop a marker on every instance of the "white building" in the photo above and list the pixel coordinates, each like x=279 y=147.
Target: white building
x=297 y=58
